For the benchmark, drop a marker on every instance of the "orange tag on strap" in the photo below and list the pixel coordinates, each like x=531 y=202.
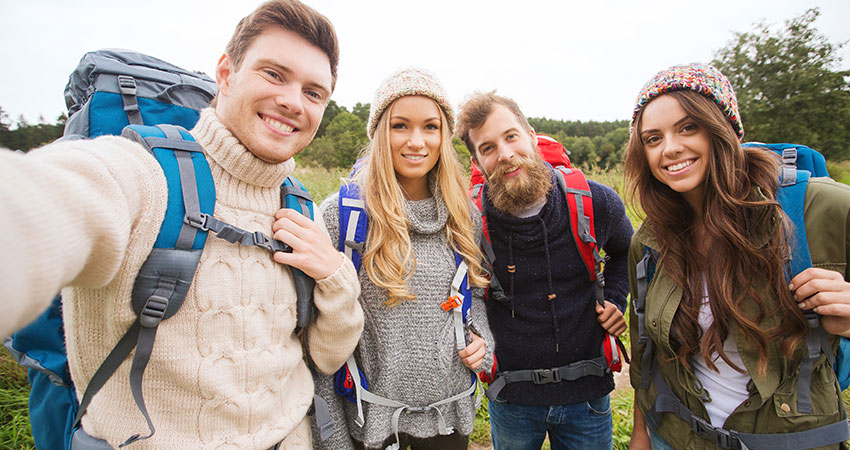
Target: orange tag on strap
x=450 y=304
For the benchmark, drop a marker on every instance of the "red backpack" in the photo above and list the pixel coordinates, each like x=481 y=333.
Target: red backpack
x=574 y=184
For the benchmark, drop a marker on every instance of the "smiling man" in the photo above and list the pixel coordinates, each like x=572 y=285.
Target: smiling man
x=227 y=371
x=550 y=327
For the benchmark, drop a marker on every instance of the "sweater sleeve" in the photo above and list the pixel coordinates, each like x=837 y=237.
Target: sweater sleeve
x=336 y=331
x=67 y=214
x=613 y=233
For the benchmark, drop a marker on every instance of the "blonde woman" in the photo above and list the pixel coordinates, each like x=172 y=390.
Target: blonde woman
x=420 y=226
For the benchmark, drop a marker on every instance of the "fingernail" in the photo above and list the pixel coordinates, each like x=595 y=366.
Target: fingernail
x=802 y=305
x=791 y=286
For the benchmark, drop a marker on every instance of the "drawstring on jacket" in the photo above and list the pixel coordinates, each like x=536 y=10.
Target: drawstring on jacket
x=551 y=296
x=511 y=268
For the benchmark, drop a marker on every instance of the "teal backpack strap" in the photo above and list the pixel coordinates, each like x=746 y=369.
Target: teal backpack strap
x=165 y=276
x=293 y=195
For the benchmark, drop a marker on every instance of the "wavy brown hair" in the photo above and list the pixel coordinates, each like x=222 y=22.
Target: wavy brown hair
x=732 y=212
x=389 y=260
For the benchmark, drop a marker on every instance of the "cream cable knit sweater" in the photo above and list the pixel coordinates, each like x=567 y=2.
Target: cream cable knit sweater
x=226 y=370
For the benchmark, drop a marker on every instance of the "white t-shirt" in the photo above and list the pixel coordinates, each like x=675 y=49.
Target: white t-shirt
x=726 y=386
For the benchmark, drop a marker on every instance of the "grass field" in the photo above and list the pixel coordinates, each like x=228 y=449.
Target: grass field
x=14 y=422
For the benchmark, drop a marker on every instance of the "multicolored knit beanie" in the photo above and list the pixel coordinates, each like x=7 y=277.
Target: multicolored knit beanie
x=702 y=78
x=405 y=82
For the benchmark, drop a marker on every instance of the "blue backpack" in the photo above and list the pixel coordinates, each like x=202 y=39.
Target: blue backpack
x=799 y=163
x=119 y=92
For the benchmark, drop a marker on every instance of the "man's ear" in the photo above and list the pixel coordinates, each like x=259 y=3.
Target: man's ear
x=533 y=136
x=223 y=72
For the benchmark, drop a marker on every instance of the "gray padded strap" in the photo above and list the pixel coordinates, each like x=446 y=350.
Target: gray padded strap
x=583 y=220
x=591 y=367
x=457 y=312
x=127 y=87
x=804 y=382
x=189 y=189
x=322 y=413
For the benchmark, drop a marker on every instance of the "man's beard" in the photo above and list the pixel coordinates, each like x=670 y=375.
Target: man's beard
x=513 y=195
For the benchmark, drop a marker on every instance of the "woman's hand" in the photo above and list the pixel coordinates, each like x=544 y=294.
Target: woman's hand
x=473 y=355
x=828 y=294
x=640 y=435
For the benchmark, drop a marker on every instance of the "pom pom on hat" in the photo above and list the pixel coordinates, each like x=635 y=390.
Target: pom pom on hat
x=405 y=82
x=701 y=78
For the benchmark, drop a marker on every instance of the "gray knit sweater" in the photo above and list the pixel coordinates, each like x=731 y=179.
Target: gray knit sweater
x=407 y=352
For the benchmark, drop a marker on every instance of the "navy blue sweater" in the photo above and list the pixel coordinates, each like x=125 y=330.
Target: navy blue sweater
x=526 y=337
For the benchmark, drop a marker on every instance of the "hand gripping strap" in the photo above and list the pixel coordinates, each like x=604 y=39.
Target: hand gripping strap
x=353 y=223
x=293 y=195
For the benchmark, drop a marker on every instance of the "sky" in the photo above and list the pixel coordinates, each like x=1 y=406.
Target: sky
x=561 y=59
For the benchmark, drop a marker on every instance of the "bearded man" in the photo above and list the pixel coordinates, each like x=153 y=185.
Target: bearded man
x=550 y=321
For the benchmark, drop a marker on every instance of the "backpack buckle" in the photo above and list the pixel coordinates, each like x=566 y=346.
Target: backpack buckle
x=153 y=311
x=546 y=376
x=452 y=303
x=199 y=222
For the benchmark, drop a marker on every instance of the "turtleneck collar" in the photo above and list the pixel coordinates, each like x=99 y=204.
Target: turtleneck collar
x=428 y=215
x=222 y=147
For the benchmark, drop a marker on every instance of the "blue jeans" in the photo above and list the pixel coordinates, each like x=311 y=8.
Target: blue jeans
x=585 y=425
x=658 y=443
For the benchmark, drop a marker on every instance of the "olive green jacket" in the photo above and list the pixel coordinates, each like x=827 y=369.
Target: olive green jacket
x=772 y=406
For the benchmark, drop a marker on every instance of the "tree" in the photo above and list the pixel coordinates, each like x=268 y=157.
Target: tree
x=361 y=110
x=330 y=113
x=789 y=87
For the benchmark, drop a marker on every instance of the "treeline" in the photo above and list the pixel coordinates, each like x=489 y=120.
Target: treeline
x=342 y=136
x=25 y=136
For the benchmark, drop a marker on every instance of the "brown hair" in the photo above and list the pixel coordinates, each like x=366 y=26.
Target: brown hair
x=474 y=112
x=732 y=213
x=290 y=15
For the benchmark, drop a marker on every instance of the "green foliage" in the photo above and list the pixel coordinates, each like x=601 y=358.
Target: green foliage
x=330 y=112
x=26 y=136
x=462 y=153
x=14 y=394
x=361 y=110
x=789 y=87
x=344 y=139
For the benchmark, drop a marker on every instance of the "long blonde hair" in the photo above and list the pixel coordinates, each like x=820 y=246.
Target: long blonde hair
x=389 y=260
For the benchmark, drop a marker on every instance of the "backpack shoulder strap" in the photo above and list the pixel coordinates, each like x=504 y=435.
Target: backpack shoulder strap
x=580 y=203
x=166 y=274
x=293 y=195
x=353 y=223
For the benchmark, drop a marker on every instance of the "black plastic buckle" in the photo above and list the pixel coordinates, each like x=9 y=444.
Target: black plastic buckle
x=153 y=311
x=721 y=437
x=199 y=222
x=546 y=376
